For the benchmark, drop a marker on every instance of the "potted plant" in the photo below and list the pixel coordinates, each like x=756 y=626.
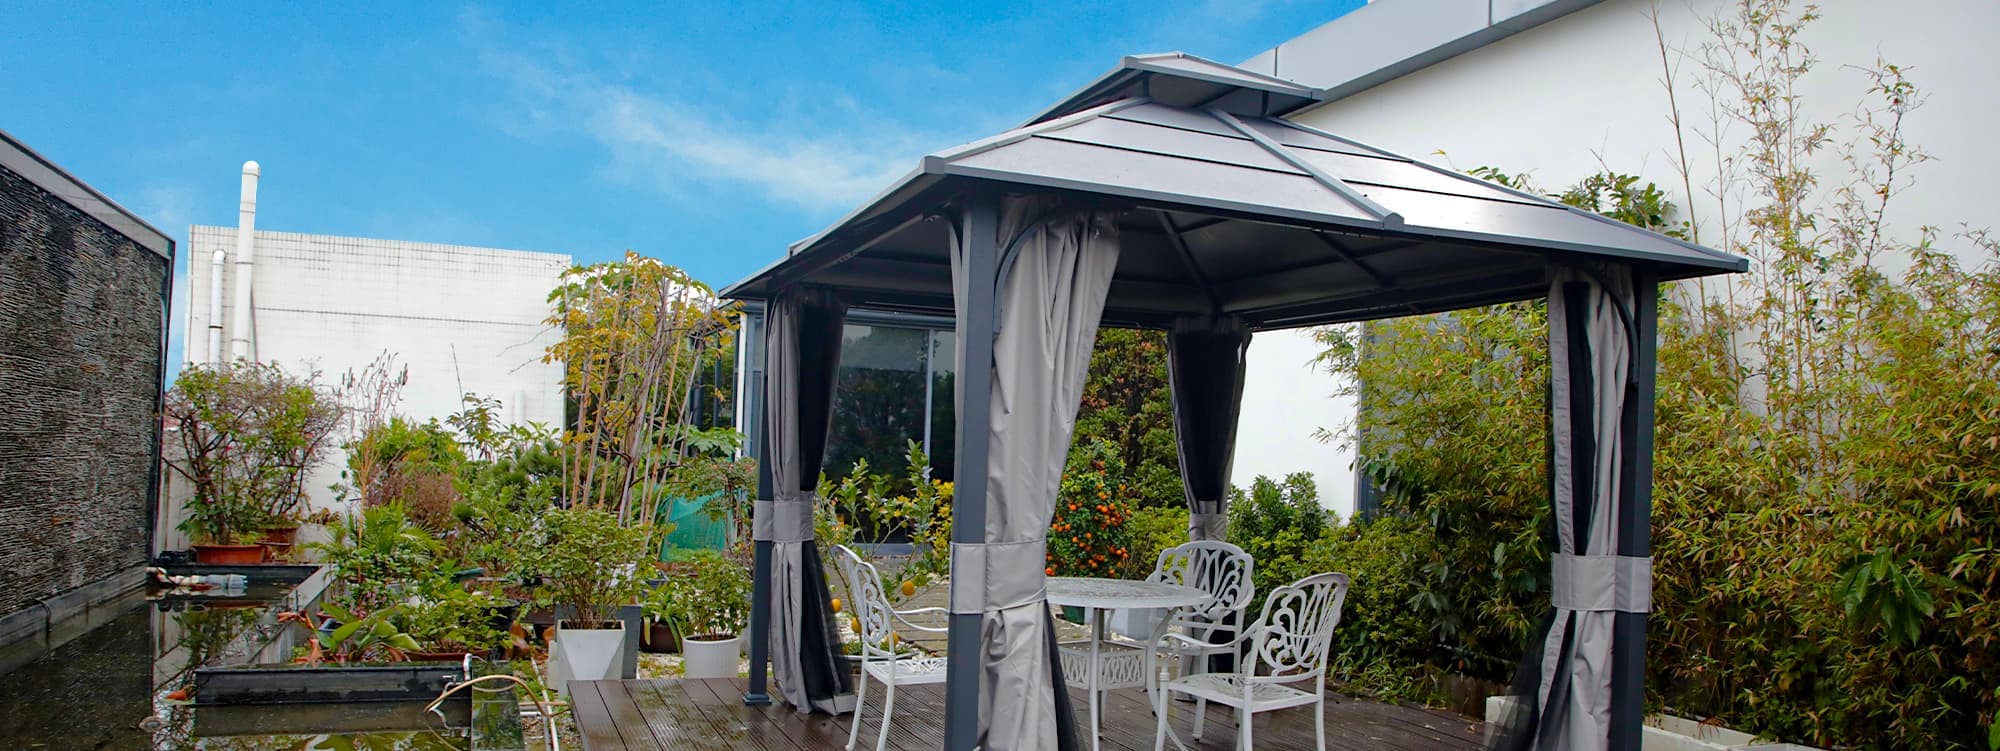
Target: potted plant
x=662 y=609
x=224 y=529
x=244 y=435
x=708 y=603
x=588 y=565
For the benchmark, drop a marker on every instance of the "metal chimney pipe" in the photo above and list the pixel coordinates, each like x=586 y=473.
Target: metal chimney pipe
x=240 y=344
x=215 y=265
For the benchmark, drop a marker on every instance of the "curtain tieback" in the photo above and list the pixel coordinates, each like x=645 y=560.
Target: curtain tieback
x=787 y=519
x=988 y=577
x=1208 y=526
x=1602 y=583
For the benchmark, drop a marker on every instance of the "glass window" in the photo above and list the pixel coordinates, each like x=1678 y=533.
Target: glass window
x=943 y=434
x=879 y=405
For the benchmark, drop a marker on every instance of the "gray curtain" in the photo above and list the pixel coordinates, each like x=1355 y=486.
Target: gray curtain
x=1562 y=696
x=1205 y=363
x=802 y=354
x=1055 y=271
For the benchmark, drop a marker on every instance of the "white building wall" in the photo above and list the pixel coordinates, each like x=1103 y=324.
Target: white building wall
x=1582 y=93
x=461 y=319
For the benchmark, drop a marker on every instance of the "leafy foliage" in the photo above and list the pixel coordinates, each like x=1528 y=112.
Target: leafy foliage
x=873 y=509
x=637 y=334
x=1276 y=522
x=1127 y=403
x=589 y=562
x=246 y=435
x=706 y=595
x=1153 y=529
x=1088 y=535
x=375 y=551
x=1825 y=471
x=409 y=463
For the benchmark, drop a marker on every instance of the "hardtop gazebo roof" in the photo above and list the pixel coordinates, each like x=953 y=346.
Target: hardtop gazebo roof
x=1227 y=208
x=1229 y=219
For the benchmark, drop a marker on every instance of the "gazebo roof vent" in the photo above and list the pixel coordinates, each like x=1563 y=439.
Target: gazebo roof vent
x=1178 y=79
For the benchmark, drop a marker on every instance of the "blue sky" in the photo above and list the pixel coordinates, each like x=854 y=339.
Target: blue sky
x=707 y=134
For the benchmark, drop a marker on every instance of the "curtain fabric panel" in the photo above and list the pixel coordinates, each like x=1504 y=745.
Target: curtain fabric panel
x=1054 y=274
x=1563 y=695
x=1205 y=366
x=802 y=349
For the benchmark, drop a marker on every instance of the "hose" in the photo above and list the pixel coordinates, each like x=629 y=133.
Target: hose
x=548 y=720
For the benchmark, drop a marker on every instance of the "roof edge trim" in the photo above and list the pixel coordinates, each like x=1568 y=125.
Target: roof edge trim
x=38 y=170
x=1383 y=41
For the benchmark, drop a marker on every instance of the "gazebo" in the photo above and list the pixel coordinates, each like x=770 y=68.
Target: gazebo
x=1171 y=194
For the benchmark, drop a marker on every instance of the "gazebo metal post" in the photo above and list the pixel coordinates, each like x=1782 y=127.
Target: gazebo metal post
x=1635 y=532
x=979 y=230
x=760 y=577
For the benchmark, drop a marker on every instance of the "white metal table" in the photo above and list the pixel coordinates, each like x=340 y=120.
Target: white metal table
x=1101 y=665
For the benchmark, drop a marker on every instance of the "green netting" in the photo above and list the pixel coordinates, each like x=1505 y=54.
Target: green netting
x=694 y=528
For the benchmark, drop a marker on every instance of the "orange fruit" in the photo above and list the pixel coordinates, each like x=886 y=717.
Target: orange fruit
x=909 y=588
x=836 y=604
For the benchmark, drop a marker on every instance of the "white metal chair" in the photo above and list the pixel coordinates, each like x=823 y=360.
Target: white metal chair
x=1288 y=645
x=881 y=657
x=1224 y=572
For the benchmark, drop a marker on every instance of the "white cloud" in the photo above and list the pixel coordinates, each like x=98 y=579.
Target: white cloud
x=820 y=152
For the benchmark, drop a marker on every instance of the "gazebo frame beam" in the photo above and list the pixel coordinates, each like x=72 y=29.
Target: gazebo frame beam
x=979 y=225
x=1635 y=531
x=758 y=693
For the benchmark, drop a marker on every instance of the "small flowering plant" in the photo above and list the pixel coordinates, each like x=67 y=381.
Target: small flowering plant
x=1088 y=535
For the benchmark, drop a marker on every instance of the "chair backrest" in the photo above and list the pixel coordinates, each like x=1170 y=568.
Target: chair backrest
x=1295 y=632
x=870 y=607
x=1218 y=568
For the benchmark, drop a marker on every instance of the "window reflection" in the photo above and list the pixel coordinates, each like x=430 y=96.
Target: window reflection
x=944 y=416
x=879 y=403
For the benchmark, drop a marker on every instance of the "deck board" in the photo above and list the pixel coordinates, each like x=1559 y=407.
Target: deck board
x=709 y=715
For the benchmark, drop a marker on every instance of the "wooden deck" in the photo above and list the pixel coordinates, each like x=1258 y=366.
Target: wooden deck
x=709 y=715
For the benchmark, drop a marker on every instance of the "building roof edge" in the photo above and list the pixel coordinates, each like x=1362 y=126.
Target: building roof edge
x=16 y=157
x=1388 y=39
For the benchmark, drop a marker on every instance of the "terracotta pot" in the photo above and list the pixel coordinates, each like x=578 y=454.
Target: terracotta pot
x=229 y=554
x=659 y=638
x=275 y=551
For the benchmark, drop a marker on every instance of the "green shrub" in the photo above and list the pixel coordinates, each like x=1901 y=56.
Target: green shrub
x=708 y=594
x=1380 y=631
x=873 y=509
x=446 y=617
x=1824 y=500
x=1275 y=523
x=406 y=462
x=376 y=553
x=1153 y=529
x=589 y=562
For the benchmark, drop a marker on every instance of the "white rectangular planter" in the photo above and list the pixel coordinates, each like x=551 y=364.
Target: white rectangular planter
x=585 y=654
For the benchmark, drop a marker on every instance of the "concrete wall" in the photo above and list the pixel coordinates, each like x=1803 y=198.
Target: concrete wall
x=461 y=319
x=1582 y=92
x=82 y=309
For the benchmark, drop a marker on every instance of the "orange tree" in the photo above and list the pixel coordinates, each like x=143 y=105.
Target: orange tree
x=1088 y=536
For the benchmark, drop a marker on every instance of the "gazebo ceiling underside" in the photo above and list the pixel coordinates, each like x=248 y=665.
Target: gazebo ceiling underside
x=1233 y=213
